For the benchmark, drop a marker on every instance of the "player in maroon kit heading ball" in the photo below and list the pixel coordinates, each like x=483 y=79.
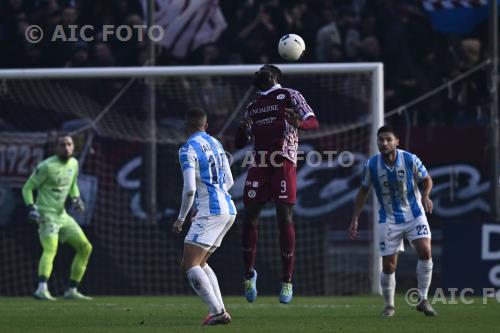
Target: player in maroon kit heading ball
x=272 y=122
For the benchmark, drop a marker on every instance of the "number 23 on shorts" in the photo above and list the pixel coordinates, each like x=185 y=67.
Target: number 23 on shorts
x=422 y=230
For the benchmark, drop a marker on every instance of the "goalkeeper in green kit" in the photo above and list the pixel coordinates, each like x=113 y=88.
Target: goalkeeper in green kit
x=54 y=179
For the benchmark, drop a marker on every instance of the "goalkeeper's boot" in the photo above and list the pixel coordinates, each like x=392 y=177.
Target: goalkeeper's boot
x=217 y=319
x=286 y=292
x=426 y=308
x=43 y=295
x=72 y=293
x=250 y=285
x=388 y=311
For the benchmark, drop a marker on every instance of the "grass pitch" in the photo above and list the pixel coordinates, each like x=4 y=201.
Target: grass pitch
x=184 y=314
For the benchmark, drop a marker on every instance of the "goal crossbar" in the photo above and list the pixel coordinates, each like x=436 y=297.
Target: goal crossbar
x=159 y=71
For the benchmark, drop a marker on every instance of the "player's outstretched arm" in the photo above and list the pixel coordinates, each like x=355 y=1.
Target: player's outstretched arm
x=228 y=175
x=74 y=191
x=301 y=115
x=426 y=192
x=310 y=123
x=33 y=214
x=188 y=192
x=36 y=180
x=358 y=207
x=74 y=194
x=28 y=188
x=242 y=138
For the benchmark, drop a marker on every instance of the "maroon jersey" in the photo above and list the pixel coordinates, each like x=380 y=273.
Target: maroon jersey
x=270 y=130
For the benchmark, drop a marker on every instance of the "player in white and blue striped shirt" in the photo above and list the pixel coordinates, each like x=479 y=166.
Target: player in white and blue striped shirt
x=394 y=174
x=207 y=179
x=206 y=156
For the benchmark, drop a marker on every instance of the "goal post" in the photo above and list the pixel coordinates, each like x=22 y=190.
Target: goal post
x=109 y=102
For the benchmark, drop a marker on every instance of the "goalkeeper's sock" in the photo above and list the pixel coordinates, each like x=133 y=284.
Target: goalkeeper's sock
x=42 y=286
x=202 y=287
x=388 y=285
x=424 y=277
x=287 y=247
x=215 y=283
x=73 y=284
x=42 y=283
x=249 y=244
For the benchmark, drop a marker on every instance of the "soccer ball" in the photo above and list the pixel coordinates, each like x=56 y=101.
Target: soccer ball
x=291 y=47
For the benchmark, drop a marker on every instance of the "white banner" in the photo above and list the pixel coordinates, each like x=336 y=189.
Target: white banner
x=187 y=24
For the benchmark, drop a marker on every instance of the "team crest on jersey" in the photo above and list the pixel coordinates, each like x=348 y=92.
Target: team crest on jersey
x=382 y=246
x=251 y=194
x=401 y=173
x=280 y=96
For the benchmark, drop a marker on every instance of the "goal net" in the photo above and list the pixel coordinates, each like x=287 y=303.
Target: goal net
x=106 y=110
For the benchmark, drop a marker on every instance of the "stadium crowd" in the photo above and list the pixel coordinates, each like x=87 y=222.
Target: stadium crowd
x=416 y=58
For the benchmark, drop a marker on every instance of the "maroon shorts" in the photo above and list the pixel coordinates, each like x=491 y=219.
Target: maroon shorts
x=271 y=183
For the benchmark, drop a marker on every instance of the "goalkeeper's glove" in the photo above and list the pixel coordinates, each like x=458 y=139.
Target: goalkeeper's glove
x=33 y=214
x=78 y=204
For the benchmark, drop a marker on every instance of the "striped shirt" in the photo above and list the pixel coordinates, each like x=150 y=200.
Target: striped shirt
x=270 y=130
x=206 y=155
x=396 y=187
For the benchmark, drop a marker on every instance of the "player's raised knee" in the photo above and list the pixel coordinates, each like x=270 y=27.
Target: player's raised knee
x=389 y=267
x=86 y=248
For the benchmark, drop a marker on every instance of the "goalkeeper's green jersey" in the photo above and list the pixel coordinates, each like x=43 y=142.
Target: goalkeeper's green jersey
x=53 y=179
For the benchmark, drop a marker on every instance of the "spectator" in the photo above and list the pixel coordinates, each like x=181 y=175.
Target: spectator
x=80 y=56
x=349 y=32
x=397 y=32
x=102 y=55
x=328 y=40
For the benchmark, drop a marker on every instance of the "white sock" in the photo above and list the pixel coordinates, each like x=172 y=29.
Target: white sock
x=42 y=286
x=388 y=285
x=202 y=287
x=424 y=276
x=215 y=283
x=73 y=289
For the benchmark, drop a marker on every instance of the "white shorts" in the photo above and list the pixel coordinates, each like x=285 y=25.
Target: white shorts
x=207 y=232
x=391 y=235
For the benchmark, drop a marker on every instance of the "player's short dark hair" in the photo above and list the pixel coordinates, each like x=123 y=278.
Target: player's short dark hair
x=387 y=129
x=60 y=135
x=275 y=71
x=63 y=134
x=196 y=117
x=263 y=80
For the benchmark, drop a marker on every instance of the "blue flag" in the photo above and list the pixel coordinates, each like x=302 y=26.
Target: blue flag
x=456 y=16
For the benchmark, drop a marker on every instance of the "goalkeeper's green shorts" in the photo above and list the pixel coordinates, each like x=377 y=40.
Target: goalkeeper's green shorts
x=61 y=225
